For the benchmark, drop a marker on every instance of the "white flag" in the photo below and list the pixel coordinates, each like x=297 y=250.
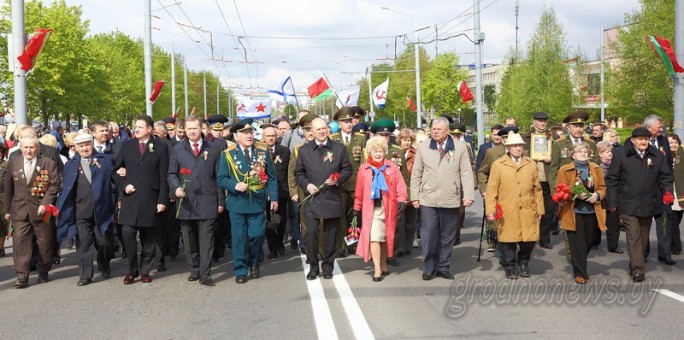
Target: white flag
x=348 y=97
x=380 y=94
x=255 y=109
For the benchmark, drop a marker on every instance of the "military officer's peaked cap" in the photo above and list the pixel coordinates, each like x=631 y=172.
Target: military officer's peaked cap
x=504 y=132
x=216 y=122
x=243 y=125
x=358 y=112
x=360 y=128
x=170 y=123
x=345 y=113
x=576 y=117
x=383 y=125
x=305 y=121
x=457 y=128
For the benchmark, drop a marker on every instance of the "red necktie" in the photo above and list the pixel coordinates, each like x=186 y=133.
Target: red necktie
x=195 y=149
x=142 y=148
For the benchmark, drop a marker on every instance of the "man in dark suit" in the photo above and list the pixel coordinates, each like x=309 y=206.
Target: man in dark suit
x=198 y=198
x=246 y=172
x=87 y=209
x=144 y=195
x=316 y=162
x=31 y=185
x=280 y=156
x=637 y=179
x=168 y=229
x=482 y=150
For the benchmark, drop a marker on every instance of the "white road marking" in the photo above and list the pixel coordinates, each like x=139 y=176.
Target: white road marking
x=321 y=311
x=351 y=307
x=670 y=294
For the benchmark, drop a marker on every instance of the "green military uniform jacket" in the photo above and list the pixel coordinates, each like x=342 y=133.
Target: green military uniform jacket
x=561 y=154
x=494 y=153
x=357 y=143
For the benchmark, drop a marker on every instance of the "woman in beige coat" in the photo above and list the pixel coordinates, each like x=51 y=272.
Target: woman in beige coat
x=582 y=217
x=514 y=185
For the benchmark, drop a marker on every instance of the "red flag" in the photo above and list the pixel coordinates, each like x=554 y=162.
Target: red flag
x=663 y=49
x=319 y=88
x=157 y=90
x=464 y=91
x=412 y=106
x=33 y=47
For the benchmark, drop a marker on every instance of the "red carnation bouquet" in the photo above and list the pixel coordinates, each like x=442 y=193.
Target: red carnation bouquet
x=50 y=212
x=668 y=198
x=498 y=212
x=562 y=193
x=353 y=233
x=185 y=173
x=333 y=177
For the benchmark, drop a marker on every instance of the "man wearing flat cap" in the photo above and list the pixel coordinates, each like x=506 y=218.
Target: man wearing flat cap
x=561 y=151
x=541 y=131
x=246 y=172
x=86 y=208
x=354 y=143
x=638 y=178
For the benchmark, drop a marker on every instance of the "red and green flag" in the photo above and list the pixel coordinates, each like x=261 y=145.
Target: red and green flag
x=320 y=90
x=464 y=91
x=663 y=49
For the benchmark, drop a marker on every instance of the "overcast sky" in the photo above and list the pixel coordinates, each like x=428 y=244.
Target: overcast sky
x=338 y=37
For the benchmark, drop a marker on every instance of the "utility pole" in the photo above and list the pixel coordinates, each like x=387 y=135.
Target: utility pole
x=204 y=75
x=678 y=79
x=418 y=102
x=20 y=107
x=147 y=48
x=185 y=86
x=517 y=12
x=479 y=39
x=436 y=41
x=603 y=78
x=218 y=106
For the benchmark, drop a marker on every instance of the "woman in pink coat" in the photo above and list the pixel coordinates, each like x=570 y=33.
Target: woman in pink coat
x=381 y=195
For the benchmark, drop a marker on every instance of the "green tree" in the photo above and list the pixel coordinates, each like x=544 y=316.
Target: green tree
x=639 y=84
x=540 y=82
x=439 y=88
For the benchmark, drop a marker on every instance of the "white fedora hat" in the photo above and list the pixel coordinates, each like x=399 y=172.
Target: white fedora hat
x=514 y=139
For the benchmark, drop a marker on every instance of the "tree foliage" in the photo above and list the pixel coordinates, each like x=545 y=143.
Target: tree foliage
x=540 y=80
x=639 y=84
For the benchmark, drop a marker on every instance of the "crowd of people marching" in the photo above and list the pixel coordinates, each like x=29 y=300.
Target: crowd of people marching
x=369 y=190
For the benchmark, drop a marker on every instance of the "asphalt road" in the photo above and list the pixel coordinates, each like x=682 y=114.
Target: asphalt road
x=479 y=303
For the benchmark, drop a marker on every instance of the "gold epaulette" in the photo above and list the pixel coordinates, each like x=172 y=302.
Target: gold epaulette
x=335 y=134
x=261 y=146
x=231 y=146
x=360 y=134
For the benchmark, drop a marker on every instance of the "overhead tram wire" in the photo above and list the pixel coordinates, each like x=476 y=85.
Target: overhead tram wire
x=232 y=36
x=244 y=32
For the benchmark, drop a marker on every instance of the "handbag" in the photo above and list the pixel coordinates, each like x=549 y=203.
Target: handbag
x=274 y=222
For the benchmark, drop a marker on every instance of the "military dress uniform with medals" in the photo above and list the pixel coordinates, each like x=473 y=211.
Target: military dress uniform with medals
x=254 y=167
x=354 y=143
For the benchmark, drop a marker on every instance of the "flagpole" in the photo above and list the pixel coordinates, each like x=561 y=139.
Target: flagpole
x=295 y=95
x=20 y=106
x=329 y=84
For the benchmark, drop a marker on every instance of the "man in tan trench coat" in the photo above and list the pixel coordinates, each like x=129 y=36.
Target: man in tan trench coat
x=514 y=185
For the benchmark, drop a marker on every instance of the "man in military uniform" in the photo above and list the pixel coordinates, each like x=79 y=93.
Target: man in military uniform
x=359 y=113
x=297 y=213
x=170 y=123
x=561 y=151
x=354 y=142
x=385 y=127
x=215 y=124
x=213 y=133
x=457 y=130
x=540 y=126
x=247 y=173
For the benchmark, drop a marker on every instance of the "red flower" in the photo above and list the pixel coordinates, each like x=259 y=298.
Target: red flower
x=334 y=176
x=50 y=211
x=562 y=193
x=498 y=211
x=263 y=177
x=668 y=198
x=185 y=171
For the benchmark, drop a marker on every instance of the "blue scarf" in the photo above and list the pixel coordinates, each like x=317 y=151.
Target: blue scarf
x=379 y=184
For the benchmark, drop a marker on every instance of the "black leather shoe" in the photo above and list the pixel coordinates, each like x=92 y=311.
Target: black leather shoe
x=427 y=277
x=106 y=272
x=676 y=253
x=123 y=255
x=193 y=278
x=525 y=270
x=206 y=281
x=341 y=254
x=84 y=282
x=272 y=255
x=21 y=283
x=511 y=274
x=546 y=246
x=616 y=251
x=667 y=260
x=327 y=276
x=43 y=278
x=2 y=252
x=313 y=274
x=377 y=278
x=293 y=244
x=254 y=272
x=216 y=259
x=393 y=262
x=445 y=275
x=161 y=268
x=281 y=250
x=241 y=279
x=385 y=272
x=638 y=277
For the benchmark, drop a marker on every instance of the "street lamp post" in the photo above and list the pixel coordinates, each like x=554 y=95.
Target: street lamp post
x=417 y=55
